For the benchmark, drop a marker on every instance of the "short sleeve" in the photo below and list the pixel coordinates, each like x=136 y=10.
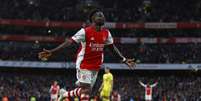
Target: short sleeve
x=79 y=36
x=109 y=39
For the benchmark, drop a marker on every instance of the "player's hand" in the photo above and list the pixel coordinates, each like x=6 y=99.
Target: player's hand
x=130 y=63
x=44 y=55
x=99 y=90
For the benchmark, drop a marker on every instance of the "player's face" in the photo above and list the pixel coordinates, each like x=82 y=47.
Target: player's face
x=55 y=82
x=99 y=18
x=107 y=70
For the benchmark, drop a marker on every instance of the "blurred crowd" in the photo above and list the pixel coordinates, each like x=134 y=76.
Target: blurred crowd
x=115 y=10
x=144 y=53
x=171 y=86
x=20 y=86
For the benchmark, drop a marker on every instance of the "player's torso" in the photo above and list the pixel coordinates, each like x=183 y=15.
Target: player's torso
x=55 y=88
x=148 y=91
x=95 y=41
x=107 y=79
x=115 y=97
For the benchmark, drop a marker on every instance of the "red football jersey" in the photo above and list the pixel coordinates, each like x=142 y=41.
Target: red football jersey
x=90 y=54
x=148 y=91
x=54 y=89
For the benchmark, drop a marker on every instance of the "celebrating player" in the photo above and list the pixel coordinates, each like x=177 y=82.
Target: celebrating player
x=90 y=56
x=115 y=96
x=54 y=90
x=148 y=90
x=107 y=85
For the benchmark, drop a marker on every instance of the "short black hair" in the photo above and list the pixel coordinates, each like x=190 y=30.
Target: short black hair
x=107 y=68
x=92 y=13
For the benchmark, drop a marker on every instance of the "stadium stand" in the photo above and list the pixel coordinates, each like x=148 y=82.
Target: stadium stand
x=21 y=84
x=152 y=31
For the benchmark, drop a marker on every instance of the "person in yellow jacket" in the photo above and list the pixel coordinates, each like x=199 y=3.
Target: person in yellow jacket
x=106 y=86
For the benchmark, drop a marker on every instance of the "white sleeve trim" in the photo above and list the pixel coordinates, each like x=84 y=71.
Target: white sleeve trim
x=109 y=39
x=79 y=36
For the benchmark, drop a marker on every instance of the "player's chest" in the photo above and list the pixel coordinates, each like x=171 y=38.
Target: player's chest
x=55 y=87
x=96 y=37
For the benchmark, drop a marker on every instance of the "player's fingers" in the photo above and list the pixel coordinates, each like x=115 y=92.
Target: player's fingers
x=40 y=54
x=133 y=64
x=130 y=65
x=43 y=55
x=130 y=60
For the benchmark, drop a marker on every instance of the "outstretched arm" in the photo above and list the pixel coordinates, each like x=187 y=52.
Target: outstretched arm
x=45 y=54
x=153 y=85
x=142 y=84
x=109 y=42
x=78 y=37
x=101 y=87
x=112 y=83
x=50 y=90
x=129 y=62
x=65 y=44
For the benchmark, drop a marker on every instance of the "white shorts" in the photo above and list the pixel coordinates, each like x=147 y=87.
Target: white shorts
x=86 y=76
x=148 y=98
x=53 y=97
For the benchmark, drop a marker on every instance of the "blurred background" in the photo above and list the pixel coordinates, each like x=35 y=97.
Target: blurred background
x=164 y=36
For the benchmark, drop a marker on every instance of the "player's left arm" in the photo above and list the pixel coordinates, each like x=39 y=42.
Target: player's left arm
x=153 y=85
x=142 y=84
x=129 y=62
x=50 y=90
x=112 y=82
x=58 y=89
x=101 y=87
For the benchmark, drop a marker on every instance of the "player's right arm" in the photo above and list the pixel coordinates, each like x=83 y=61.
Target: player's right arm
x=47 y=53
x=153 y=85
x=112 y=83
x=142 y=84
x=58 y=89
x=50 y=89
x=78 y=37
x=101 y=87
x=110 y=43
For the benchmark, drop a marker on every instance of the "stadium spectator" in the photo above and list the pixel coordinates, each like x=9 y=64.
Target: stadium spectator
x=135 y=10
x=184 y=86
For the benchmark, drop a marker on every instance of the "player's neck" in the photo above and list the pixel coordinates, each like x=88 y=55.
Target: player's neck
x=98 y=28
x=107 y=72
